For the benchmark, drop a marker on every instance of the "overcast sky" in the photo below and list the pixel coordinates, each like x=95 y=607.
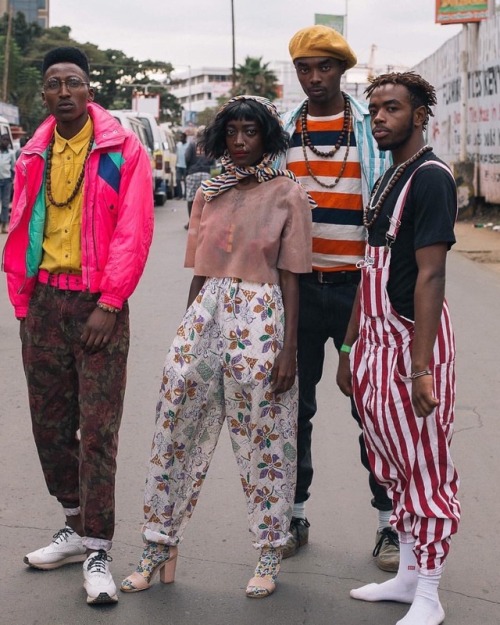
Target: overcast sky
x=198 y=32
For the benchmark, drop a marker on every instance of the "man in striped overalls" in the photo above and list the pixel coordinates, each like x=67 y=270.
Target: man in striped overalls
x=401 y=368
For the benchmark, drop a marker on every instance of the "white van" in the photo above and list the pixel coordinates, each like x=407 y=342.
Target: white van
x=170 y=159
x=130 y=122
x=158 y=145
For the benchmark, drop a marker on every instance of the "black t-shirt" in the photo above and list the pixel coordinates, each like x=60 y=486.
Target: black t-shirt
x=428 y=218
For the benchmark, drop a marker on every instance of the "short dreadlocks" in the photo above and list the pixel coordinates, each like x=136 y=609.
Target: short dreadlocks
x=421 y=92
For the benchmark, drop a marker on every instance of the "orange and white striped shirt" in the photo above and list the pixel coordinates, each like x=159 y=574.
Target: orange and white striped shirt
x=338 y=241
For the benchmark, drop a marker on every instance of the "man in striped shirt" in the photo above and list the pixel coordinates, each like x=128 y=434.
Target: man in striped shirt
x=333 y=154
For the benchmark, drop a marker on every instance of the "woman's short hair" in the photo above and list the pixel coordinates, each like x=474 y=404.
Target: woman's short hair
x=274 y=137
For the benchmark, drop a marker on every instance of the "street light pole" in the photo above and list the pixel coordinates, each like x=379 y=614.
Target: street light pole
x=7 y=56
x=189 y=96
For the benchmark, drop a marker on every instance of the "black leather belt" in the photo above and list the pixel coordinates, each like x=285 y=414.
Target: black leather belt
x=333 y=277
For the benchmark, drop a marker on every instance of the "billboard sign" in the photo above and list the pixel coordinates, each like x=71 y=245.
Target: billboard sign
x=189 y=117
x=461 y=11
x=333 y=21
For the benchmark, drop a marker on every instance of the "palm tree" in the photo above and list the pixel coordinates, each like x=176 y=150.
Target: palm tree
x=254 y=78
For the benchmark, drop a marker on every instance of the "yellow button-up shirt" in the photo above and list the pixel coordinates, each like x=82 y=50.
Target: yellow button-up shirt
x=62 y=233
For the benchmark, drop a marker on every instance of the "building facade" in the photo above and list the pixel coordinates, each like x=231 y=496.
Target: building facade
x=199 y=89
x=465 y=129
x=34 y=10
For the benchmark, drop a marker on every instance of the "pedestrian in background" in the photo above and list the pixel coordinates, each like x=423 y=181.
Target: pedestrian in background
x=333 y=154
x=403 y=350
x=81 y=227
x=234 y=357
x=198 y=168
x=7 y=164
x=180 y=167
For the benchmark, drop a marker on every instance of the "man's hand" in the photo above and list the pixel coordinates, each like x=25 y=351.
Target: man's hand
x=344 y=377
x=98 y=330
x=422 y=396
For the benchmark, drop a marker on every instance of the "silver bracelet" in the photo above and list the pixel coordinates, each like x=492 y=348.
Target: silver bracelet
x=419 y=374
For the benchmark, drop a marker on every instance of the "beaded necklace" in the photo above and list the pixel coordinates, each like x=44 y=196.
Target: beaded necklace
x=306 y=142
x=396 y=175
x=48 y=182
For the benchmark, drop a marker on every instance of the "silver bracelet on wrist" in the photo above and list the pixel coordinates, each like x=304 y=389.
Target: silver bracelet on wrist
x=419 y=374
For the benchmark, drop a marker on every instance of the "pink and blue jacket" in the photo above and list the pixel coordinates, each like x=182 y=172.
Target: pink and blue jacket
x=117 y=213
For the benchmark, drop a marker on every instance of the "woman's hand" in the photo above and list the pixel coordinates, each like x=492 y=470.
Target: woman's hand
x=284 y=371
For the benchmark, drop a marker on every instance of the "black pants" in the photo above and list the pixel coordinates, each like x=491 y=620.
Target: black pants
x=324 y=314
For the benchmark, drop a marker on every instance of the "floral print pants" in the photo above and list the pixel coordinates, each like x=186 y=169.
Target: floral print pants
x=218 y=369
x=69 y=390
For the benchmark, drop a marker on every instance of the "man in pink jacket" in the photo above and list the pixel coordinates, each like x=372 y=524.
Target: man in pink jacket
x=80 y=231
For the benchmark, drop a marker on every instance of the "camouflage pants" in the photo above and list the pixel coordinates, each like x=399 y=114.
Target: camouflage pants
x=70 y=390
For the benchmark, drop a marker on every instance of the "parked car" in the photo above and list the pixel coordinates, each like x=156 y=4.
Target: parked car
x=130 y=122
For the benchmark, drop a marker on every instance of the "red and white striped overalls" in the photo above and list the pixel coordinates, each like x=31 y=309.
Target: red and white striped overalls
x=409 y=455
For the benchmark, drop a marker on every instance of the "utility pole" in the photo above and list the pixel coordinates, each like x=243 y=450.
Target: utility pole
x=464 y=60
x=7 y=57
x=233 y=73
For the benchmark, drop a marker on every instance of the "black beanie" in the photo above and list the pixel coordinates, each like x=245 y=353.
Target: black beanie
x=66 y=55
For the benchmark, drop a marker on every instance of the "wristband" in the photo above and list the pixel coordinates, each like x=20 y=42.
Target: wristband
x=345 y=348
x=108 y=309
x=419 y=374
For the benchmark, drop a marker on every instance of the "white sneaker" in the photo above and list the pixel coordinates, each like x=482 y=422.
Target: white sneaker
x=66 y=547
x=98 y=581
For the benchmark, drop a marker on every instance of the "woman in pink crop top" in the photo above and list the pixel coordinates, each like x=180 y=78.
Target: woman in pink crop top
x=234 y=357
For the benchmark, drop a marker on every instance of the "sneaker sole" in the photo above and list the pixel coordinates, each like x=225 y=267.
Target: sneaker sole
x=103 y=597
x=55 y=565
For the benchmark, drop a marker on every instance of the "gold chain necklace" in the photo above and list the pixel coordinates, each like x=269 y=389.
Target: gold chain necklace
x=48 y=170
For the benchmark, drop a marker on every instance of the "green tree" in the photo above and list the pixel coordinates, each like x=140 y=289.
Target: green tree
x=255 y=78
x=23 y=32
x=205 y=116
x=114 y=75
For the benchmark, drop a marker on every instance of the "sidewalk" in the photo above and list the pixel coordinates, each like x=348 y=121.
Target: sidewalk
x=480 y=244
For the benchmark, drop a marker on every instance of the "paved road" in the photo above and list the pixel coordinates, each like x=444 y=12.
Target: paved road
x=216 y=558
